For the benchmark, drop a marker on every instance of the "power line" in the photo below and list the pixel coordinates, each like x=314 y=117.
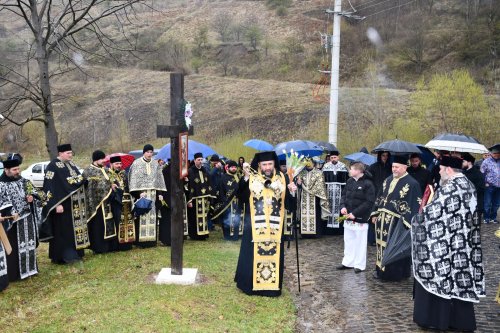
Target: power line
x=385 y=10
x=376 y=4
x=366 y=3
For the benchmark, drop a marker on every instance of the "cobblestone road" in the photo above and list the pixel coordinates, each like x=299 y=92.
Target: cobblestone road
x=342 y=301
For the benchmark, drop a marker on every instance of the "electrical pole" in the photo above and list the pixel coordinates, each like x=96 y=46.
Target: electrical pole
x=334 y=85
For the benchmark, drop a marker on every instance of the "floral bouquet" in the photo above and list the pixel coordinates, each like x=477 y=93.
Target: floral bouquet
x=294 y=164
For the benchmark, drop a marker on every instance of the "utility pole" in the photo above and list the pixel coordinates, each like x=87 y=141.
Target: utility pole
x=334 y=85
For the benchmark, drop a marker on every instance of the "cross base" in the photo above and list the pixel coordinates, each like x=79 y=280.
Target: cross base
x=188 y=276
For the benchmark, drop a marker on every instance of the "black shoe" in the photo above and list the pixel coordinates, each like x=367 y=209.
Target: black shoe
x=341 y=267
x=357 y=270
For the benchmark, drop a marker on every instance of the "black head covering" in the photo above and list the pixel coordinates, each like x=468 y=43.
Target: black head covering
x=282 y=162
x=98 y=155
x=114 y=159
x=147 y=147
x=415 y=155
x=8 y=164
x=264 y=156
x=214 y=158
x=198 y=155
x=400 y=159
x=334 y=153
x=495 y=148
x=64 y=147
x=468 y=157
x=452 y=162
x=231 y=163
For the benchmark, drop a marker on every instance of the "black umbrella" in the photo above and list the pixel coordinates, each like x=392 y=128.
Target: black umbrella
x=397 y=146
x=327 y=146
x=398 y=244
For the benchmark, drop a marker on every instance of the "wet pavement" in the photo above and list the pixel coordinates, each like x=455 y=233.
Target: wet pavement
x=341 y=301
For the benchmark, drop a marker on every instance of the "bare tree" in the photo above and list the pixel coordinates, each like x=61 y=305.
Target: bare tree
x=53 y=46
x=222 y=23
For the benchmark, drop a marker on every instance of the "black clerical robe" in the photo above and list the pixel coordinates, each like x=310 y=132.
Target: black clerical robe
x=447 y=258
x=261 y=259
x=200 y=195
x=101 y=225
x=398 y=202
x=66 y=232
x=228 y=207
x=22 y=233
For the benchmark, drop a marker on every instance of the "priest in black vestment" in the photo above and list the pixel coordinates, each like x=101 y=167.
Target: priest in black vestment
x=398 y=202
x=199 y=198
x=261 y=259
x=20 y=209
x=447 y=254
x=64 y=217
x=98 y=189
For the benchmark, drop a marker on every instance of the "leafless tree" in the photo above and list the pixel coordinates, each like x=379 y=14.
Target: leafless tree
x=53 y=46
x=222 y=23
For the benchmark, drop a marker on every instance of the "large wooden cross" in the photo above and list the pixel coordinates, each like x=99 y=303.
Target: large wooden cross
x=177 y=125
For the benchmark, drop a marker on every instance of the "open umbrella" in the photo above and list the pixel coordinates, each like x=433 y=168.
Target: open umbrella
x=361 y=157
x=397 y=146
x=456 y=142
x=398 y=244
x=327 y=146
x=304 y=147
x=127 y=159
x=258 y=144
x=193 y=148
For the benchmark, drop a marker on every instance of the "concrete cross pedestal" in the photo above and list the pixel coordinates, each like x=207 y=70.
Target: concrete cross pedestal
x=187 y=277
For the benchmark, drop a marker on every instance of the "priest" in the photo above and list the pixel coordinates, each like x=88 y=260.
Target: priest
x=447 y=254
x=146 y=181
x=64 y=216
x=261 y=259
x=227 y=206
x=20 y=211
x=398 y=201
x=199 y=197
x=335 y=174
x=121 y=206
x=98 y=189
x=313 y=207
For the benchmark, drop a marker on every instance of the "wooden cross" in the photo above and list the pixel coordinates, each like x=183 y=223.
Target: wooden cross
x=172 y=131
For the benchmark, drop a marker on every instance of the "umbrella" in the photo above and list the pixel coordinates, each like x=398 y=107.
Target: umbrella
x=142 y=206
x=327 y=146
x=303 y=147
x=397 y=146
x=456 y=142
x=127 y=159
x=258 y=144
x=193 y=148
x=398 y=244
x=361 y=157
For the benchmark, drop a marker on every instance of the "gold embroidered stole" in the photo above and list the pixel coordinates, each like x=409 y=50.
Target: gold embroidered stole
x=126 y=228
x=79 y=217
x=267 y=214
x=147 y=222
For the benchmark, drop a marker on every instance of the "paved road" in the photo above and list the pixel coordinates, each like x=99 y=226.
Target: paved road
x=342 y=301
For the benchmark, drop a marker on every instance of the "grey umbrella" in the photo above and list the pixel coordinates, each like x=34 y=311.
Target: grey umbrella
x=326 y=146
x=397 y=146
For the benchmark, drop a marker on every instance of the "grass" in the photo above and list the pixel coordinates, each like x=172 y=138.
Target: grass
x=115 y=293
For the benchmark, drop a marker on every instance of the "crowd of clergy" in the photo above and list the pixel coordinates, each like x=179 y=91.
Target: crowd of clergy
x=108 y=208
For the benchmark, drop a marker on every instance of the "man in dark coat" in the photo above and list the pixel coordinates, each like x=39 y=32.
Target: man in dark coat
x=418 y=172
x=356 y=202
x=379 y=170
x=476 y=177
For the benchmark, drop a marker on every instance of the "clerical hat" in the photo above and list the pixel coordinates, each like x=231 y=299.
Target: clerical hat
x=115 y=159
x=400 y=159
x=334 y=153
x=263 y=157
x=8 y=164
x=98 y=155
x=452 y=162
x=64 y=147
x=282 y=162
x=468 y=157
x=214 y=158
x=495 y=148
x=231 y=163
x=198 y=155
x=147 y=147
